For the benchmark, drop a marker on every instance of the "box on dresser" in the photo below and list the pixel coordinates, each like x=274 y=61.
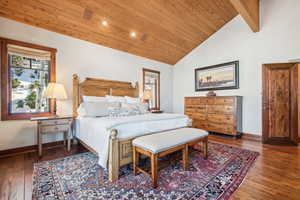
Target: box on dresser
x=220 y=114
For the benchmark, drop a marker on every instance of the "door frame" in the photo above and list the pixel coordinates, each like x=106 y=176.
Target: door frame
x=293 y=102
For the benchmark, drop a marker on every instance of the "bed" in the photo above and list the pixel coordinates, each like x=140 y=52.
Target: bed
x=111 y=138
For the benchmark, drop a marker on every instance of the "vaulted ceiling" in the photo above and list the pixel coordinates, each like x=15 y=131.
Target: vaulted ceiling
x=165 y=30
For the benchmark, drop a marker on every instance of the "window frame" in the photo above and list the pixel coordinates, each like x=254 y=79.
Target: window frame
x=6 y=80
x=145 y=70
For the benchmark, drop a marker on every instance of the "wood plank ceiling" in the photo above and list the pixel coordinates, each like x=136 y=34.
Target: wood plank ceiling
x=166 y=30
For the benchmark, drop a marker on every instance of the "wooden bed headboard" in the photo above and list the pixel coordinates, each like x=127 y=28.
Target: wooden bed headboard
x=100 y=88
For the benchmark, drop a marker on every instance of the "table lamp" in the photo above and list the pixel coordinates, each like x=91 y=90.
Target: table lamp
x=55 y=91
x=147 y=95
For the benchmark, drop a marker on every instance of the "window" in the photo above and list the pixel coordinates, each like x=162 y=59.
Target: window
x=151 y=84
x=26 y=71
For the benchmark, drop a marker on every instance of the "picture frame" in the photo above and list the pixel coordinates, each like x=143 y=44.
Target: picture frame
x=223 y=76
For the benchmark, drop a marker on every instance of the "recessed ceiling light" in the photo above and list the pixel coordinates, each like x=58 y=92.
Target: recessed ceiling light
x=104 y=23
x=133 y=34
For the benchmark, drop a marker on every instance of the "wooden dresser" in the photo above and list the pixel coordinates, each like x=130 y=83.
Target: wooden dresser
x=221 y=114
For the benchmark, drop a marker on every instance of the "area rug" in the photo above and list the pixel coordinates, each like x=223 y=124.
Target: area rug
x=80 y=177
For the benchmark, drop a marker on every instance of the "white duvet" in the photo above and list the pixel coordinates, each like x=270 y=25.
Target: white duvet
x=95 y=131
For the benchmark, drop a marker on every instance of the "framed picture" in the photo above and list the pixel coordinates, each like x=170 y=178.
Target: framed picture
x=217 y=77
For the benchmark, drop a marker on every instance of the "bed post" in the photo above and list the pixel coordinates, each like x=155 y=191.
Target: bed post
x=113 y=162
x=75 y=94
x=137 y=90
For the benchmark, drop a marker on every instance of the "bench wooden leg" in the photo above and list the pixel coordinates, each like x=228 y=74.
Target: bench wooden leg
x=135 y=161
x=205 y=147
x=154 y=169
x=185 y=157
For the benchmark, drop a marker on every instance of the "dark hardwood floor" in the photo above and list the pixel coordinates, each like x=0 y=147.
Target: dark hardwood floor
x=275 y=175
x=16 y=171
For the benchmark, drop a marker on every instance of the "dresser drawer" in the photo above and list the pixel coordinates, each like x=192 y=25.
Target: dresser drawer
x=221 y=128
x=225 y=109
x=201 y=109
x=224 y=100
x=55 y=122
x=203 y=100
x=211 y=100
x=200 y=124
x=188 y=101
x=55 y=129
x=192 y=101
x=221 y=118
x=199 y=116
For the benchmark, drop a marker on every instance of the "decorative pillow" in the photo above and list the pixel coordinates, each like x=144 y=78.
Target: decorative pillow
x=114 y=109
x=93 y=99
x=115 y=99
x=130 y=108
x=132 y=100
x=143 y=108
x=96 y=109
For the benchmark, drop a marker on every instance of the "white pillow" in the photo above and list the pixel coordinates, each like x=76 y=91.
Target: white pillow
x=143 y=108
x=114 y=109
x=115 y=99
x=93 y=99
x=126 y=109
x=136 y=108
x=96 y=109
x=132 y=100
x=131 y=108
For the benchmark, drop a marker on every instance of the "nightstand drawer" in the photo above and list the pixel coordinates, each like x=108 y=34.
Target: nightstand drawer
x=55 y=129
x=55 y=122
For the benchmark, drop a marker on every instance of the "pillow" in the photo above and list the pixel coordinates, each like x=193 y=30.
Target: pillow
x=96 y=109
x=93 y=99
x=126 y=109
x=132 y=100
x=115 y=99
x=130 y=108
x=143 y=108
x=114 y=109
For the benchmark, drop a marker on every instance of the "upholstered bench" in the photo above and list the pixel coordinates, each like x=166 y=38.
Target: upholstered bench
x=161 y=144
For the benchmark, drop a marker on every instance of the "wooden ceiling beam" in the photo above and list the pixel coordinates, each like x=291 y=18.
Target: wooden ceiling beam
x=249 y=10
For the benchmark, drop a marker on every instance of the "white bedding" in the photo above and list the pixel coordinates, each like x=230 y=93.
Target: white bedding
x=95 y=131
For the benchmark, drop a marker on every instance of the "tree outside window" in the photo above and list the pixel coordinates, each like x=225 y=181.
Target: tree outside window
x=29 y=79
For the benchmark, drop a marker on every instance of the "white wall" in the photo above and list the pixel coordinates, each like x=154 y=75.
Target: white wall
x=84 y=58
x=278 y=41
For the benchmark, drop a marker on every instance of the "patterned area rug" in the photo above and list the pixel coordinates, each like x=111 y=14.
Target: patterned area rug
x=80 y=177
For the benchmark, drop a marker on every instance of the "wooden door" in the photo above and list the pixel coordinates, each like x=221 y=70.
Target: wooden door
x=280 y=108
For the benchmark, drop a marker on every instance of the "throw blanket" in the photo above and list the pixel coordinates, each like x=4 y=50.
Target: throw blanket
x=96 y=131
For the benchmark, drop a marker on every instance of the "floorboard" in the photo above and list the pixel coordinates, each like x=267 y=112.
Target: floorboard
x=275 y=175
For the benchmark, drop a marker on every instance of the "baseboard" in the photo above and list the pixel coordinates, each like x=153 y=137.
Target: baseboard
x=31 y=148
x=252 y=137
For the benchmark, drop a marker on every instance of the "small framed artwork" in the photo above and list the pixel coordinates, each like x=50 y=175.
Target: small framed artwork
x=217 y=77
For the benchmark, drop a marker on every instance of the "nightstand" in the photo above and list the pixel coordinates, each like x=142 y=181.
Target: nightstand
x=49 y=125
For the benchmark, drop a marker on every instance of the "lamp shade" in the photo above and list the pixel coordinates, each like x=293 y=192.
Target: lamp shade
x=55 y=91
x=147 y=94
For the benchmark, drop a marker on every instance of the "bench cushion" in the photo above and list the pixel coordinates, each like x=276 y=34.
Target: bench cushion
x=160 y=142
